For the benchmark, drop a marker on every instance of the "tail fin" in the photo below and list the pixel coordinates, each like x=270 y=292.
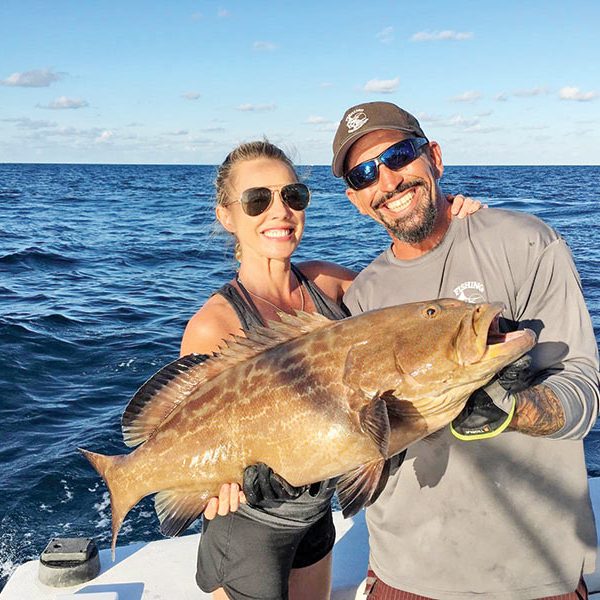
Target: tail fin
x=122 y=499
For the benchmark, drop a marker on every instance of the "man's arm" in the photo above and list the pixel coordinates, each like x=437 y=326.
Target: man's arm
x=563 y=399
x=555 y=391
x=538 y=412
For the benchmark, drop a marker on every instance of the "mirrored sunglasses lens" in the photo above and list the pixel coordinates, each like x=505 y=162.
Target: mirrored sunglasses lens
x=398 y=156
x=256 y=200
x=362 y=175
x=296 y=196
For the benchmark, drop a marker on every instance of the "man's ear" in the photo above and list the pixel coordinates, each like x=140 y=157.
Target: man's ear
x=224 y=217
x=353 y=197
x=435 y=154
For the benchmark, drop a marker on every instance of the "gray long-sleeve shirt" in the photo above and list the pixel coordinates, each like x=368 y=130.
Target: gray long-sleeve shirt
x=508 y=517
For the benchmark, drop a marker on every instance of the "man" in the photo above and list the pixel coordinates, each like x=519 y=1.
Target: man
x=505 y=514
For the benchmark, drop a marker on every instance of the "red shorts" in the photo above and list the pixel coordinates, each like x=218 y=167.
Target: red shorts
x=377 y=590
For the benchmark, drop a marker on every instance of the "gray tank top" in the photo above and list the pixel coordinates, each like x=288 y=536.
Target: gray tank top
x=316 y=501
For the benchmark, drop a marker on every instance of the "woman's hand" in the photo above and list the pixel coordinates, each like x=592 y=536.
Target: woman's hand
x=229 y=499
x=462 y=206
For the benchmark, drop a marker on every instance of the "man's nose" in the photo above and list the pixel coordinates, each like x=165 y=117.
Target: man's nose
x=388 y=179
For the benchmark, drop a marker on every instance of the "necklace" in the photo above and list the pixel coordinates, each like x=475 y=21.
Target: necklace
x=271 y=303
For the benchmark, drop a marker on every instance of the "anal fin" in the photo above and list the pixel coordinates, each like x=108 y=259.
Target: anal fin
x=178 y=509
x=356 y=488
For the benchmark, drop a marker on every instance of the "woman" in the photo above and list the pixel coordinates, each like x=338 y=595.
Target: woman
x=252 y=552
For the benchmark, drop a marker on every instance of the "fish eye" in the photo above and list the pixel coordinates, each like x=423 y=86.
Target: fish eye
x=430 y=312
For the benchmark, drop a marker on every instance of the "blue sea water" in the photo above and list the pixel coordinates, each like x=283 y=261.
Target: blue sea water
x=100 y=268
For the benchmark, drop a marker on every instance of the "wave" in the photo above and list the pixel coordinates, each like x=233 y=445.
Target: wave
x=34 y=257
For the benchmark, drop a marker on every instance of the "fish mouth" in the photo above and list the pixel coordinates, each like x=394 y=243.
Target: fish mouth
x=482 y=341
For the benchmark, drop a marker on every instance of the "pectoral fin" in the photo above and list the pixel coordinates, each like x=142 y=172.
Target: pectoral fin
x=356 y=488
x=375 y=422
x=177 y=509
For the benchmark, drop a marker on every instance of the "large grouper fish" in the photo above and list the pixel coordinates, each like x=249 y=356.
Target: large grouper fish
x=310 y=397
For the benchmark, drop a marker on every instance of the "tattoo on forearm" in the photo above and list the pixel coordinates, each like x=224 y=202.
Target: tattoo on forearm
x=538 y=411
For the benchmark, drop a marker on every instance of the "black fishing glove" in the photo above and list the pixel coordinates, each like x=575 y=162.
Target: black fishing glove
x=266 y=489
x=490 y=409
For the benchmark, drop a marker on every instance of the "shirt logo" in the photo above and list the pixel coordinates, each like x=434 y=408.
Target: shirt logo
x=356 y=119
x=470 y=291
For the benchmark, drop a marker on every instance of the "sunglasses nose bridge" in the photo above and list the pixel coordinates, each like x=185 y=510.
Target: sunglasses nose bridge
x=278 y=201
x=388 y=178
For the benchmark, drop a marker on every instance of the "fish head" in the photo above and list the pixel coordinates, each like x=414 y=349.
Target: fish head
x=443 y=351
x=446 y=340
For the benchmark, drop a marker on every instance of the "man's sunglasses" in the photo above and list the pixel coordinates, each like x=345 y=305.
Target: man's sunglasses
x=256 y=200
x=395 y=157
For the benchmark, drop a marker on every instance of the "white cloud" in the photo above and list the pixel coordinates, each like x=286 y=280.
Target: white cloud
x=326 y=84
x=256 y=107
x=35 y=78
x=264 y=46
x=27 y=123
x=197 y=16
x=529 y=93
x=314 y=120
x=223 y=13
x=386 y=36
x=63 y=102
x=463 y=122
x=382 y=86
x=470 y=96
x=191 y=95
x=178 y=132
x=427 y=118
x=574 y=93
x=502 y=97
x=105 y=136
x=448 y=34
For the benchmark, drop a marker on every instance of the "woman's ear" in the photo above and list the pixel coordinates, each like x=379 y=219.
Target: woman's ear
x=224 y=217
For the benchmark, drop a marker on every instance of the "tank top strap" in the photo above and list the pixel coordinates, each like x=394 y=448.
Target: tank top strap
x=244 y=308
x=323 y=303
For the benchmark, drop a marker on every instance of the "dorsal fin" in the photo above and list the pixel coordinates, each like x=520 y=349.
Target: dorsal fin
x=173 y=384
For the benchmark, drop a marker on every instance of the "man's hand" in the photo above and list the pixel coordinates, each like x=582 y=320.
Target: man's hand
x=490 y=409
x=264 y=488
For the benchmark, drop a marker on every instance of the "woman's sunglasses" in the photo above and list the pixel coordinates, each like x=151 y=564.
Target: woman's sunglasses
x=256 y=200
x=395 y=157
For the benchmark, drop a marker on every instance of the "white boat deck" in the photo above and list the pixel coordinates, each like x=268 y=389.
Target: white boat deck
x=164 y=569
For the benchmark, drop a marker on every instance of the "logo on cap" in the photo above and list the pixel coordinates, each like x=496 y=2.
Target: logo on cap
x=356 y=119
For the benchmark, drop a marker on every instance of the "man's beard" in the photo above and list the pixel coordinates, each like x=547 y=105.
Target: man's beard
x=416 y=226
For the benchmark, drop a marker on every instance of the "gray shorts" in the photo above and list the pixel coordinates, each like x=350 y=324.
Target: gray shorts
x=251 y=560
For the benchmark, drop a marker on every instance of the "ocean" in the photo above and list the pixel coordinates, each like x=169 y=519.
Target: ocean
x=100 y=268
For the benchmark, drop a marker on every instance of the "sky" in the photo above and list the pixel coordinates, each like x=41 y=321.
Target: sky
x=183 y=82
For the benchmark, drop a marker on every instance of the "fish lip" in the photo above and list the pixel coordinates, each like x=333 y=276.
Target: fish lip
x=514 y=344
x=481 y=338
x=473 y=333
x=495 y=345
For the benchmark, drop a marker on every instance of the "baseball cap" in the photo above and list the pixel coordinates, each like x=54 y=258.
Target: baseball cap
x=364 y=118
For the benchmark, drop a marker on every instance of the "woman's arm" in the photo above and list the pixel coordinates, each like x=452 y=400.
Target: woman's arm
x=209 y=327
x=205 y=334
x=463 y=206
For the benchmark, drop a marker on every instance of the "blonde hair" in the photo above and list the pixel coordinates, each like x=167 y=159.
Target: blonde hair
x=246 y=151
